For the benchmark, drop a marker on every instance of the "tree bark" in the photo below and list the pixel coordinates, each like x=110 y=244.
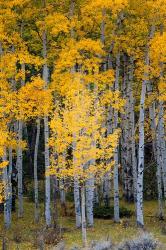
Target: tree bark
x=36 y=189
x=77 y=202
x=63 y=197
x=84 y=236
x=132 y=127
x=46 y=140
x=89 y=201
x=116 y=155
x=140 y=219
x=7 y=217
x=20 y=170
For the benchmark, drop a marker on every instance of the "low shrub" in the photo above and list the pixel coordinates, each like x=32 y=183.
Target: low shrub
x=101 y=245
x=47 y=236
x=144 y=242
x=17 y=236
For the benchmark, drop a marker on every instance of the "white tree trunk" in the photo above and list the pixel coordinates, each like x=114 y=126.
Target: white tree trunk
x=20 y=157
x=89 y=201
x=9 y=180
x=156 y=143
x=7 y=217
x=126 y=125
x=140 y=219
x=161 y=128
x=116 y=156
x=77 y=203
x=46 y=140
x=132 y=120
x=47 y=177
x=84 y=236
x=159 y=172
x=19 y=169
x=96 y=197
x=36 y=190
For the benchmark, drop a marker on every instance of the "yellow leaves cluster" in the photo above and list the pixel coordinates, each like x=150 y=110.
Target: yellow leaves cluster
x=3 y=164
x=93 y=9
x=3 y=136
x=86 y=52
x=114 y=99
x=57 y=23
x=13 y=3
x=33 y=100
x=8 y=65
x=136 y=34
x=79 y=126
x=162 y=89
x=158 y=52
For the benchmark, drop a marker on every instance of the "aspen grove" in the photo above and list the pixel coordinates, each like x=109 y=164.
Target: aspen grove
x=82 y=114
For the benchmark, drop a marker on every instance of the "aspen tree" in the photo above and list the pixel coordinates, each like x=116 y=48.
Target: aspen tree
x=36 y=171
x=116 y=157
x=46 y=131
x=140 y=220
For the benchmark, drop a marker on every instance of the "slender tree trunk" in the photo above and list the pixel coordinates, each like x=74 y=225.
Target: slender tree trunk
x=159 y=172
x=5 y=179
x=96 y=197
x=132 y=127
x=84 y=236
x=36 y=189
x=9 y=181
x=90 y=191
x=46 y=140
x=161 y=128
x=47 y=177
x=107 y=190
x=20 y=170
x=30 y=139
x=156 y=142
x=89 y=201
x=55 y=203
x=63 y=197
x=116 y=155
x=7 y=218
x=140 y=219
x=20 y=156
x=106 y=181
x=77 y=202
x=126 y=136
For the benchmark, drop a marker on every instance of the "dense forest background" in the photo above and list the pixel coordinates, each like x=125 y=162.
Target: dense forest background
x=82 y=123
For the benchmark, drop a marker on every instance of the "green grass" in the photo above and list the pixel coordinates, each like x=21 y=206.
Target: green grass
x=25 y=228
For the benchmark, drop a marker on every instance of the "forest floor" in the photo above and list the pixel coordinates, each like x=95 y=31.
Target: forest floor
x=22 y=233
